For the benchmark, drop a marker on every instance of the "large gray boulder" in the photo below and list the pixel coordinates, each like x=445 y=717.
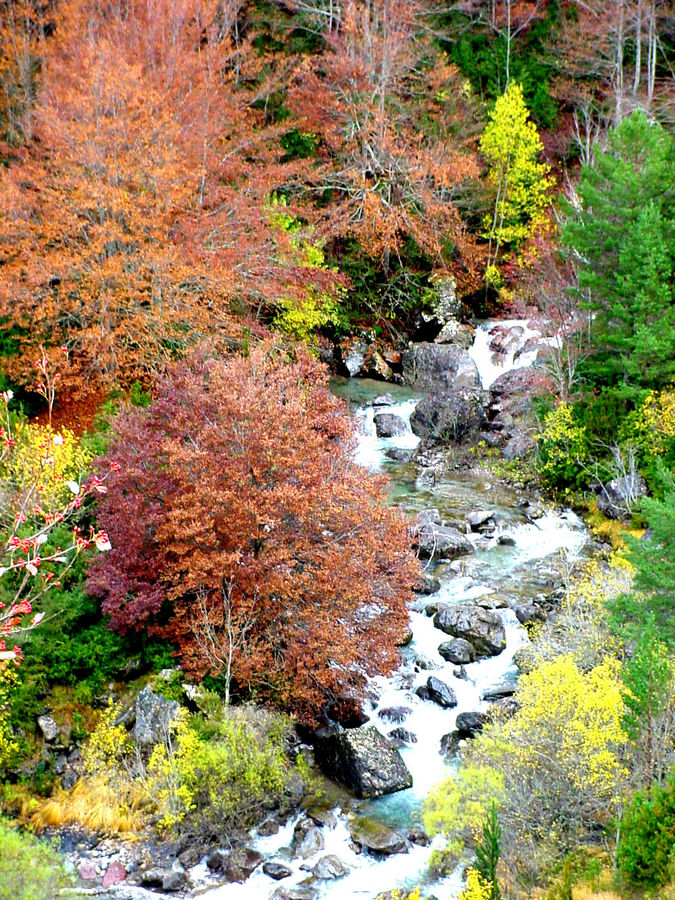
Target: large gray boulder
x=449 y=415
x=389 y=425
x=440 y=693
x=439 y=367
x=440 y=541
x=154 y=714
x=362 y=760
x=483 y=628
x=457 y=651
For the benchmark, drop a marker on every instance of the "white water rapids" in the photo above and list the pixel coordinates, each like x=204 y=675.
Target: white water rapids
x=532 y=542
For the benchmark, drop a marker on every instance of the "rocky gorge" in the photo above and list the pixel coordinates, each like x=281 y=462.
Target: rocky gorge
x=492 y=554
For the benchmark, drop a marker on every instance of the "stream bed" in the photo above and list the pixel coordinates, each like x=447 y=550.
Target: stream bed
x=518 y=560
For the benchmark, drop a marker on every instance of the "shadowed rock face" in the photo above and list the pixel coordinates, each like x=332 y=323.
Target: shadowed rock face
x=362 y=760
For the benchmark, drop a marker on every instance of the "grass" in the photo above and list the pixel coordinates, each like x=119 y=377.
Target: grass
x=93 y=804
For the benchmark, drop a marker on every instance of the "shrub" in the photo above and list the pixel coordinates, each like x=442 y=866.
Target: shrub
x=646 y=848
x=563 y=449
x=30 y=869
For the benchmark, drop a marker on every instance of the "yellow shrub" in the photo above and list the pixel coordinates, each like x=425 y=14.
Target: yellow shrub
x=476 y=887
x=108 y=745
x=652 y=426
x=171 y=772
x=46 y=460
x=7 y=745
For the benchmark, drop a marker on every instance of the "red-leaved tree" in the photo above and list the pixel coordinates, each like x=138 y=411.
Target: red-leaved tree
x=243 y=531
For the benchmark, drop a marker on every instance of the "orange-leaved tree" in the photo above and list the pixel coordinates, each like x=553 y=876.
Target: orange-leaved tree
x=243 y=531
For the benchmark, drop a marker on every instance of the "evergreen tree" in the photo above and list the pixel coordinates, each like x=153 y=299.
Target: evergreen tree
x=621 y=235
x=489 y=851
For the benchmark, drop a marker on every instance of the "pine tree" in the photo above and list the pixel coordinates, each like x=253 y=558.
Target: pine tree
x=621 y=239
x=489 y=851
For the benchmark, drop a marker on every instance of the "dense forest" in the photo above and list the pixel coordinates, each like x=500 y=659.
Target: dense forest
x=219 y=221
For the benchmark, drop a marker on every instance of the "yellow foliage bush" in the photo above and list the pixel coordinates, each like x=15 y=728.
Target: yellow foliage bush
x=8 y=746
x=170 y=773
x=108 y=745
x=563 y=449
x=46 y=460
x=476 y=887
x=652 y=426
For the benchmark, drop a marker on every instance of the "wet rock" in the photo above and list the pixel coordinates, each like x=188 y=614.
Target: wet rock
x=460 y=672
x=268 y=828
x=174 y=880
x=457 y=651
x=451 y=744
x=529 y=612
x=427 y=585
x=441 y=542
x=362 y=760
x=480 y=517
x=424 y=663
x=154 y=714
x=440 y=693
x=300 y=892
x=492 y=601
x=438 y=367
x=448 y=416
x=506 y=540
x=115 y=874
x=389 y=425
x=241 y=863
x=422 y=692
x=483 y=628
x=417 y=835
x=403 y=735
x=375 y=366
x=618 y=498
x=395 y=713
x=346 y=711
x=311 y=843
x=352 y=355
x=376 y=837
x=49 y=727
x=276 y=870
x=330 y=867
x=432 y=608
x=382 y=400
x=322 y=815
x=499 y=691
x=216 y=860
x=469 y=724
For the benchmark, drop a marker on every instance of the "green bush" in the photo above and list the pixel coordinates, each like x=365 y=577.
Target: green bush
x=30 y=869
x=646 y=848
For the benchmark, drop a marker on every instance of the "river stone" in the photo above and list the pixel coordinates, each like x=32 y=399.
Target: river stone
x=506 y=540
x=529 y=612
x=424 y=663
x=470 y=723
x=376 y=837
x=382 y=400
x=451 y=743
x=441 y=542
x=375 y=365
x=115 y=874
x=241 y=863
x=448 y=416
x=154 y=714
x=440 y=693
x=276 y=870
x=479 y=517
x=422 y=692
x=427 y=585
x=330 y=866
x=362 y=760
x=457 y=651
x=438 y=367
x=403 y=735
x=395 y=713
x=483 y=628
x=389 y=425
x=49 y=727
x=174 y=880
x=300 y=892
x=268 y=828
x=499 y=692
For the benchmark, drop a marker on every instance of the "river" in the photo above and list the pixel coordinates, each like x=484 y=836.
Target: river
x=520 y=567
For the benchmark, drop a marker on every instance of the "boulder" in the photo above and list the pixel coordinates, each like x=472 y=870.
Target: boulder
x=352 y=354
x=458 y=651
x=330 y=867
x=499 y=692
x=395 y=714
x=450 y=744
x=241 y=863
x=375 y=366
x=617 y=498
x=311 y=843
x=403 y=735
x=454 y=332
x=479 y=518
x=115 y=874
x=440 y=542
x=440 y=693
x=389 y=425
x=382 y=400
x=427 y=585
x=362 y=760
x=469 y=724
x=450 y=415
x=439 y=367
x=376 y=837
x=483 y=628
x=174 y=880
x=300 y=892
x=49 y=727
x=163 y=878
x=529 y=612
x=154 y=714
x=276 y=870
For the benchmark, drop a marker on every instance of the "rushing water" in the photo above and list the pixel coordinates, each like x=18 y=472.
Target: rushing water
x=514 y=569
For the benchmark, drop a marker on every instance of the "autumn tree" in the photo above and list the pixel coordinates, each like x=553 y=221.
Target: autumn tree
x=395 y=147
x=519 y=183
x=244 y=532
